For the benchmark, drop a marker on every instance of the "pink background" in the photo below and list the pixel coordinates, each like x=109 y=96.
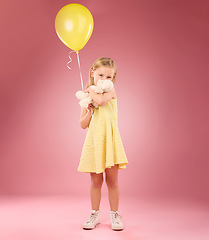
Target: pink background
x=161 y=50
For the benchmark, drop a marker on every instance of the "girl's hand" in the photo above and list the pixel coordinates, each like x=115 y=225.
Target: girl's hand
x=87 y=90
x=91 y=108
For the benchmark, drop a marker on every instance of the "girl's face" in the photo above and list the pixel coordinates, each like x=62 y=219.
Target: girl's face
x=102 y=73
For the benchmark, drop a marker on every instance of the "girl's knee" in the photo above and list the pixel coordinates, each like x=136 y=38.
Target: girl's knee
x=111 y=183
x=97 y=181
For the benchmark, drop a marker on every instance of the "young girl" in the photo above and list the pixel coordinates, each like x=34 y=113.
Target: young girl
x=103 y=150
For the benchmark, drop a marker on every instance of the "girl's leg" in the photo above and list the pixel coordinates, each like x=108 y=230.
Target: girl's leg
x=96 y=185
x=113 y=187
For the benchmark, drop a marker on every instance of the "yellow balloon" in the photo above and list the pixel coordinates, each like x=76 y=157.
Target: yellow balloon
x=74 y=25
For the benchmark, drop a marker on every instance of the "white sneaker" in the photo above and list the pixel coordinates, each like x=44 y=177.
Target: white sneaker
x=93 y=220
x=116 y=220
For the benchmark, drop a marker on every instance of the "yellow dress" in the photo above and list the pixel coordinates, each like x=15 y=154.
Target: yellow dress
x=103 y=146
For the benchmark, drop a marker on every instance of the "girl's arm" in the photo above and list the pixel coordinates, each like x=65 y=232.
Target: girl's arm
x=101 y=98
x=85 y=118
x=97 y=97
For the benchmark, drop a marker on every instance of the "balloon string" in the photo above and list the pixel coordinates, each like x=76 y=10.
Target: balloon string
x=70 y=59
x=79 y=65
x=80 y=70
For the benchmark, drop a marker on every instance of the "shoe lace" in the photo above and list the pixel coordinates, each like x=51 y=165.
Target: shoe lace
x=117 y=217
x=92 y=217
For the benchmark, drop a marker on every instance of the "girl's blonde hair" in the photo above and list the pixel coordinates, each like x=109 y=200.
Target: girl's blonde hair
x=100 y=62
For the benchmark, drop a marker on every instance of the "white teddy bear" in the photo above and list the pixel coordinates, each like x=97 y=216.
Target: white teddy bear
x=101 y=87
